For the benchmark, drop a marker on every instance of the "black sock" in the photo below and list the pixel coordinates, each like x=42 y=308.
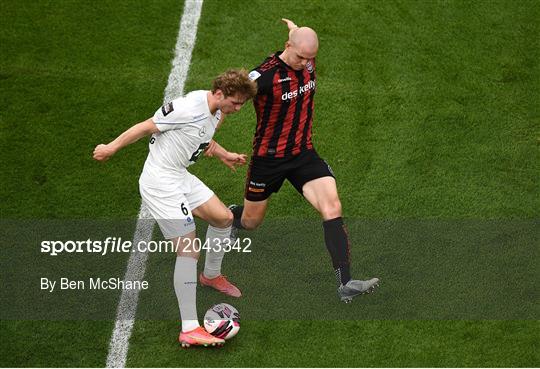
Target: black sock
x=237 y=213
x=337 y=243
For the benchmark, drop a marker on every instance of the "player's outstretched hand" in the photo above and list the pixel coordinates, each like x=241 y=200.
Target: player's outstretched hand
x=232 y=159
x=103 y=152
x=289 y=23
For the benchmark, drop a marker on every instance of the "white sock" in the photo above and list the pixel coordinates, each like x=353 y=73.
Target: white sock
x=212 y=262
x=185 y=286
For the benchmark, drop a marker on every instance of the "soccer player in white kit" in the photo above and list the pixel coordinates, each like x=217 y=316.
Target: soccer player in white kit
x=181 y=131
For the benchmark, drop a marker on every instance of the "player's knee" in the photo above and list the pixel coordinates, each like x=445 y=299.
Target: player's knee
x=188 y=254
x=331 y=209
x=251 y=223
x=224 y=220
x=227 y=219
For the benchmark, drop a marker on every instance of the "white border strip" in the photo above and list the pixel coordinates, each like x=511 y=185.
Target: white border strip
x=127 y=306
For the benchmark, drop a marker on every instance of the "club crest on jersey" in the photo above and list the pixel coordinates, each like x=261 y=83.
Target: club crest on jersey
x=309 y=66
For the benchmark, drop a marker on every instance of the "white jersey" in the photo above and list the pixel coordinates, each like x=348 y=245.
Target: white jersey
x=186 y=127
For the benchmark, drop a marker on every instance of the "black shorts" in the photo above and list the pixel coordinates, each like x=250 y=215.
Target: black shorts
x=266 y=175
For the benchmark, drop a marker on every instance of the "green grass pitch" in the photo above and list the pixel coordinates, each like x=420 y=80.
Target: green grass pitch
x=427 y=111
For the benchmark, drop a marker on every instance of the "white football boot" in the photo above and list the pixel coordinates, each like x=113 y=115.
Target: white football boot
x=356 y=287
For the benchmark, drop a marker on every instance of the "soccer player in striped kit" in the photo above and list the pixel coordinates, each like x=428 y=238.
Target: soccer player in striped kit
x=283 y=149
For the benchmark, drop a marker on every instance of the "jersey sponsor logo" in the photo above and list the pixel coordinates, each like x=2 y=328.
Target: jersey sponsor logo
x=253 y=75
x=256 y=190
x=303 y=89
x=202 y=132
x=167 y=109
x=257 y=184
x=256 y=187
x=284 y=79
x=309 y=66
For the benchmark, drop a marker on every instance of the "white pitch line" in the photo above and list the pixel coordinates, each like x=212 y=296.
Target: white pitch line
x=127 y=306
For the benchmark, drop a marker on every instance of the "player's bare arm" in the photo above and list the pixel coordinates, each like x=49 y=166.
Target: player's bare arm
x=230 y=159
x=103 y=152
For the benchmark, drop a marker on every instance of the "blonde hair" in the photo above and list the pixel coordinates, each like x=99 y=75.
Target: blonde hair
x=235 y=81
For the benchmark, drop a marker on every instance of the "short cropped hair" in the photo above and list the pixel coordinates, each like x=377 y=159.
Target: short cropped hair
x=235 y=81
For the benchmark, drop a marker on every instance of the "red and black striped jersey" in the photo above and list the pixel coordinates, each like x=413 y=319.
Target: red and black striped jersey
x=284 y=107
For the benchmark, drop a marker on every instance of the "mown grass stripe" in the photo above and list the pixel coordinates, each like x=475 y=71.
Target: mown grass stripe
x=127 y=306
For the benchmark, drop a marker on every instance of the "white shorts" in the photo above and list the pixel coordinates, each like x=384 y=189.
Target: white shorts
x=171 y=204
